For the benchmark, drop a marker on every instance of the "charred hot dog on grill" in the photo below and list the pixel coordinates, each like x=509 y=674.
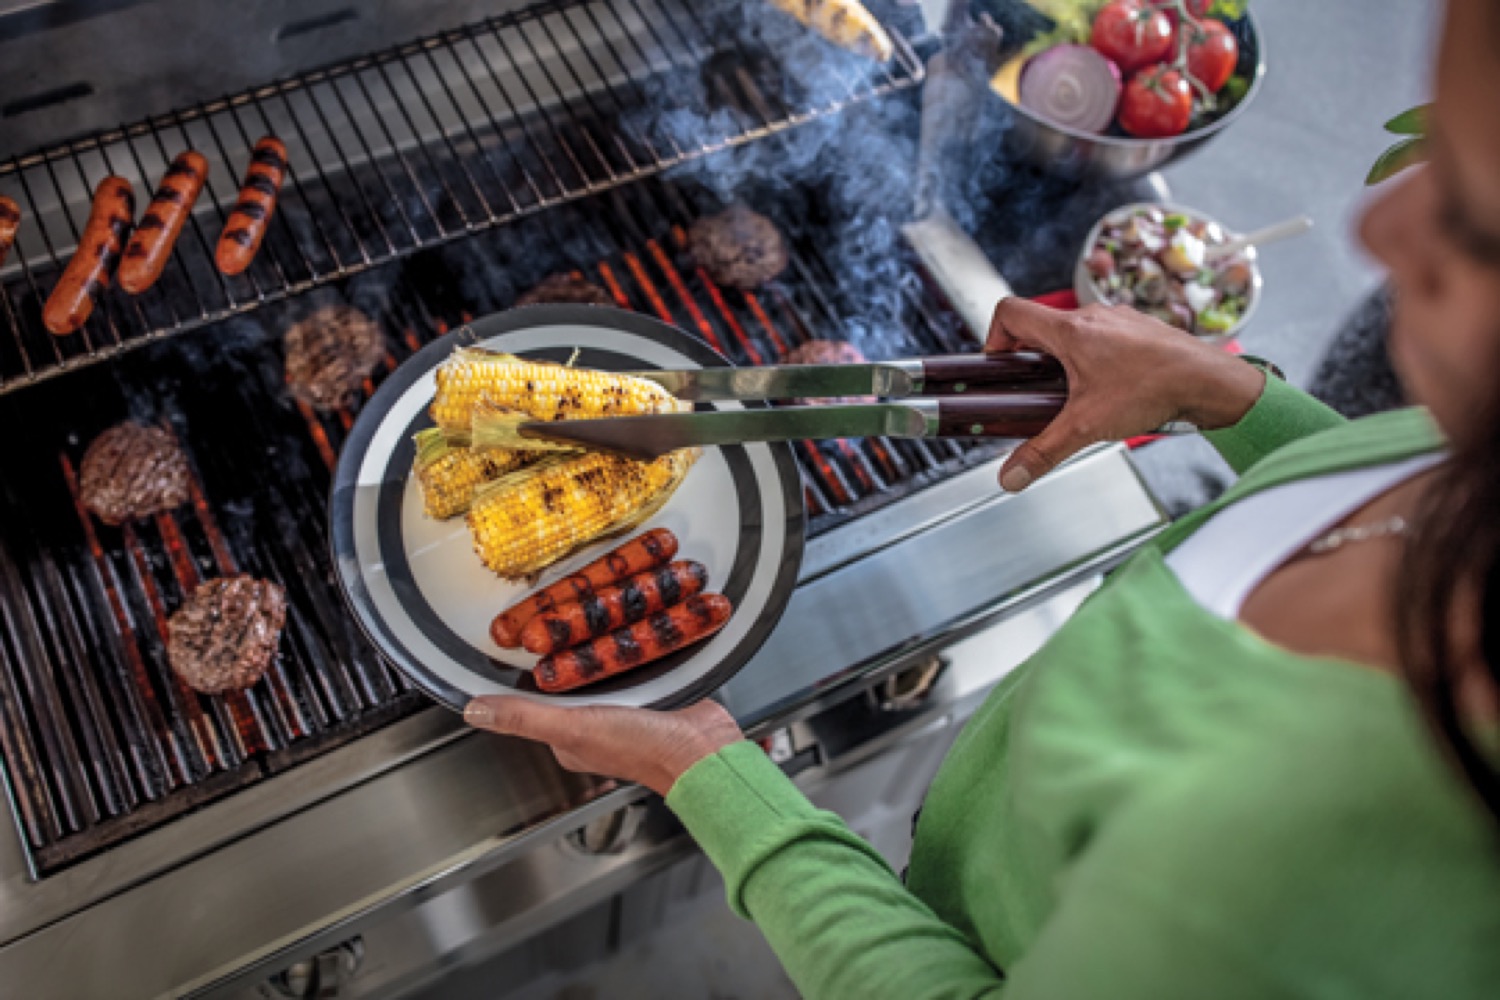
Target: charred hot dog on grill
x=10 y=221
x=146 y=254
x=251 y=216
x=87 y=274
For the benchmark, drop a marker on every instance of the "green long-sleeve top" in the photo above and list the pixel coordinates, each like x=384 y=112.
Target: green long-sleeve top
x=1157 y=804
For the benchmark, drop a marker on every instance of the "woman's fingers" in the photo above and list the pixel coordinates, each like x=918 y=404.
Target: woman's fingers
x=1063 y=438
x=530 y=720
x=1018 y=324
x=652 y=748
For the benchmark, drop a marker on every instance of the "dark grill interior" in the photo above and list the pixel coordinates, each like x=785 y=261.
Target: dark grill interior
x=101 y=740
x=420 y=145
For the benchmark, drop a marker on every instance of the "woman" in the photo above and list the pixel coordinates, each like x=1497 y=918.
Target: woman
x=1214 y=781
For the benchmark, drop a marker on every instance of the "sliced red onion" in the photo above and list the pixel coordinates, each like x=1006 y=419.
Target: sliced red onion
x=1072 y=85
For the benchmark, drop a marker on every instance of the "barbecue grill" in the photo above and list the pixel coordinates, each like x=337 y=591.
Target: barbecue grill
x=432 y=181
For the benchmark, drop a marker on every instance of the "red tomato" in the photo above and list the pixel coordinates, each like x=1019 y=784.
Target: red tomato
x=1131 y=35
x=1157 y=103
x=1212 y=54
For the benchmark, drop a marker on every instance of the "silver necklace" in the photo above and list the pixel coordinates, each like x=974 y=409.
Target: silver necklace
x=1339 y=537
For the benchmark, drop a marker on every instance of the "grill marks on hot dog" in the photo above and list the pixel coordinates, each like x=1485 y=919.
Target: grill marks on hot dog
x=608 y=609
x=647 y=551
x=251 y=215
x=664 y=632
x=156 y=234
x=10 y=221
x=87 y=274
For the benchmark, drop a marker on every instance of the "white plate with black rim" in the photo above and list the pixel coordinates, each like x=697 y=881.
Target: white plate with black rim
x=423 y=598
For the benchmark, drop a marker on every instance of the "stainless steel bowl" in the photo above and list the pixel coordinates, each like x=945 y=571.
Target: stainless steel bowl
x=1067 y=151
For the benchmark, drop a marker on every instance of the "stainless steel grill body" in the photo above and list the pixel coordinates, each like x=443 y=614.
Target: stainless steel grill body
x=433 y=181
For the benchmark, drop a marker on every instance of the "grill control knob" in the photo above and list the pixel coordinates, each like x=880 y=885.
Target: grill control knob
x=321 y=977
x=611 y=833
x=908 y=688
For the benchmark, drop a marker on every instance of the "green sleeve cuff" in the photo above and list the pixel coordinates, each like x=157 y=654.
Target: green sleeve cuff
x=742 y=810
x=1281 y=415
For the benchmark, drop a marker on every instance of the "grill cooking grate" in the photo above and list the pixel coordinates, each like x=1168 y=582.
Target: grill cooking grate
x=100 y=739
x=420 y=145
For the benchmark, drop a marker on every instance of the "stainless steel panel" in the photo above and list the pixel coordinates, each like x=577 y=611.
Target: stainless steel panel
x=506 y=929
x=929 y=584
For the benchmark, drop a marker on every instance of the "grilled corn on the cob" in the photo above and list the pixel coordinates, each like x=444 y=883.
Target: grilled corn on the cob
x=449 y=474
x=493 y=427
x=542 y=390
x=845 y=23
x=528 y=520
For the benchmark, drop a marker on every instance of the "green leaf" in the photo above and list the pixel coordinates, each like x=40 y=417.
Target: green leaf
x=1412 y=122
x=1403 y=154
x=1072 y=23
x=1065 y=33
x=1234 y=90
x=1066 y=10
x=1228 y=10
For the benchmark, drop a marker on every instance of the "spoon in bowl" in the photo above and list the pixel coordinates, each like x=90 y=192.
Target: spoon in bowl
x=1270 y=234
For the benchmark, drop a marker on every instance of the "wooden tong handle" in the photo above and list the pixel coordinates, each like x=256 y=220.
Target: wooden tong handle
x=964 y=374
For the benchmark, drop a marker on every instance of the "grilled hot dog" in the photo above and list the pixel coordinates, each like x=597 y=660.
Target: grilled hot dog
x=644 y=552
x=87 y=274
x=10 y=221
x=605 y=610
x=146 y=254
x=662 y=633
x=252 y=213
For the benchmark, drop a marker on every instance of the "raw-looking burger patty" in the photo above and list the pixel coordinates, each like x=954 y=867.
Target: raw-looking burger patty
x=825 y=352
x=566 y=288
x=132 y=471
x=224 y=635
x=330 y=353
x=738 y=247
x=828 y=352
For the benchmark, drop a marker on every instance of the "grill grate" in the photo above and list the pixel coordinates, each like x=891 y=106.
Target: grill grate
x=418 y=145
x=100 y=739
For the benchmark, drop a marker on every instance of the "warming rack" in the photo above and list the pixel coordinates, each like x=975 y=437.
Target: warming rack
x=418 y=145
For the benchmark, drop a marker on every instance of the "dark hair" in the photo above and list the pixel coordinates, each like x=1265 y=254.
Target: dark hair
x=1450 y=584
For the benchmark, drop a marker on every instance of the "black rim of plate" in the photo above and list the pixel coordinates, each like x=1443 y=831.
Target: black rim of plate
x=375 y=413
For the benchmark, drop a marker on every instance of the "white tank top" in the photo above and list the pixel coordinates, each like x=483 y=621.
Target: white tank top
x=1224 y=560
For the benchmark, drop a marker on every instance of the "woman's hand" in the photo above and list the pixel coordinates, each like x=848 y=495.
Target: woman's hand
x=1128 y=374
x=649 y=748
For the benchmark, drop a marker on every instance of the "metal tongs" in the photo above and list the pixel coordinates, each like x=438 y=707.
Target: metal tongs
x=1011 y=395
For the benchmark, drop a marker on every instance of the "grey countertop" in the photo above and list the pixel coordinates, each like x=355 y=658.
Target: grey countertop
x=1336 y=71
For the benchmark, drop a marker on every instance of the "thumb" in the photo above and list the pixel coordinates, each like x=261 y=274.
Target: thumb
x=516 y=716
x=1035 y=458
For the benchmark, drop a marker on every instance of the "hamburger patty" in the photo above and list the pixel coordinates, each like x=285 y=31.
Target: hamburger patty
x=329 y=354
x=738 y=247
x=825 y=352
x=224 y=635
x=565 y=288
x=132 y=471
